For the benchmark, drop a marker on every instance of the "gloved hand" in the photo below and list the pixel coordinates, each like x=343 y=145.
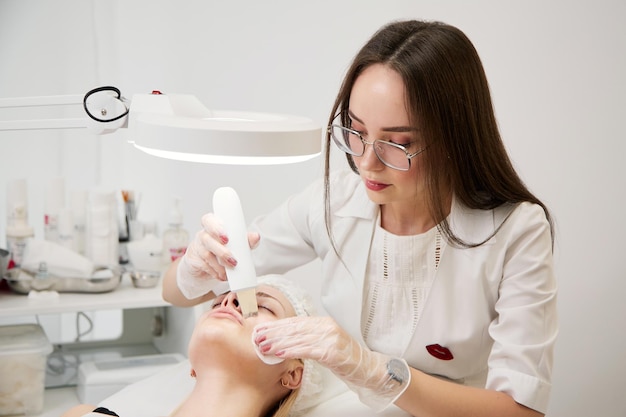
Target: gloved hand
x=378 y=379
x=206 y=258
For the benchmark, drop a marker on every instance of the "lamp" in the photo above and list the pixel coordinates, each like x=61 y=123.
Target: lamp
x=178 y=126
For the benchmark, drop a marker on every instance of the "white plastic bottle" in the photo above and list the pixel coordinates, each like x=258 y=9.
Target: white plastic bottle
x=175 y=238
x=54 y=202
x=78 y=206
x=101 y=229
x=17 y=238
x=66 y=229
x=18 y=229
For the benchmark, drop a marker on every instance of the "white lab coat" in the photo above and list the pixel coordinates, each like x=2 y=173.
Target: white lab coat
x=493 y=307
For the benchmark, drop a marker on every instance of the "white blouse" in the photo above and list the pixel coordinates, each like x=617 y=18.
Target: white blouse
x=399 y=275
x=491 y=307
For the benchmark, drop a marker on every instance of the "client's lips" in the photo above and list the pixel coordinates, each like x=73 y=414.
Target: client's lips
x=227 y=313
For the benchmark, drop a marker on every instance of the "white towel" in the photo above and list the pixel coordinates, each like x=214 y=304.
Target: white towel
x=61 y=261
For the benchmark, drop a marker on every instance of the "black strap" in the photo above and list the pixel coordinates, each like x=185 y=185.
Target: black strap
x=106 y=411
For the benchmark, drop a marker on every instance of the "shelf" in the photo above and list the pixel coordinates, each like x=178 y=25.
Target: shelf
x=125 y=296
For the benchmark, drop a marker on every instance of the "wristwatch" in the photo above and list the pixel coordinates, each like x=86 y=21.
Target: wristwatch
x=397 y=370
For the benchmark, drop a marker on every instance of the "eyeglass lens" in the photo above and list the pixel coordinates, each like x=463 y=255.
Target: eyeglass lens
x=351 y=143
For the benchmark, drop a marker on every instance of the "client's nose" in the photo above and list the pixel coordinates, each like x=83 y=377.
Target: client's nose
x=231 y=300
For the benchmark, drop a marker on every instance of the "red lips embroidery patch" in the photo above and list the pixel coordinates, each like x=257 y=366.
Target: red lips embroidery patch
x=440 y=352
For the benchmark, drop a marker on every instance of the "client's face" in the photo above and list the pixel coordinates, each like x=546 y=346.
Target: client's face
x=222 y=338
x=273 y=305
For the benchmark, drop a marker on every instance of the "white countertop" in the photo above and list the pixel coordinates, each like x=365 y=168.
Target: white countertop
x=123 y=297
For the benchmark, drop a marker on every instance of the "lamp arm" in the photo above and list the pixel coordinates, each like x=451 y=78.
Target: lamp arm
x=105 y=112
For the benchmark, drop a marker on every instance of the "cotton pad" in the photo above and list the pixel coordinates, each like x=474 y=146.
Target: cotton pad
x=268 y=359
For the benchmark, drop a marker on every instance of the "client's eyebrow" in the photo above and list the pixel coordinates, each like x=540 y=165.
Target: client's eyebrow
x=266 y=295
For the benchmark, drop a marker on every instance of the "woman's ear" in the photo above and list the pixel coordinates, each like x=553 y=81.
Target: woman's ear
x=292 y=378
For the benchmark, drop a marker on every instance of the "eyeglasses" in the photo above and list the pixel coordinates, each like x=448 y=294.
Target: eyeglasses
x=391 y=154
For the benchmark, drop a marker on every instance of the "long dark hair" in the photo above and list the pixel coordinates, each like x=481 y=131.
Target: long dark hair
x=448 y=97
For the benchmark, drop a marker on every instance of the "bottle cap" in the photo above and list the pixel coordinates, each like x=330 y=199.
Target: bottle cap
x=17 y=225
x=16 y=192
x=17 y=203
x=20 y=230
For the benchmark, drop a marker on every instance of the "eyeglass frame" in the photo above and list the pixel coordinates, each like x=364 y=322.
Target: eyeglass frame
x=409 y=156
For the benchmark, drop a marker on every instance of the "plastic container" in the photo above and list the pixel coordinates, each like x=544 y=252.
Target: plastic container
x=100 y=379
x=78 y=205
x=18 y=230
x=101 y=229
x=145 y=254
x=5 y=255
x=54 y=202
x=175 y=238
x=24 y=350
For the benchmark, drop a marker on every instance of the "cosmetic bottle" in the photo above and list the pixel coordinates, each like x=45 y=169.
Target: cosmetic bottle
x=78 y=205
x=43 y=280
x=66 y=229
x=54 y=202
x=18 y=229
x=17 y=239
x=101 y=229
x=175 y=238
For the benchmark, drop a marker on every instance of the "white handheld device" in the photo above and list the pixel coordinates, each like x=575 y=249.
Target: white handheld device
x=241 y=278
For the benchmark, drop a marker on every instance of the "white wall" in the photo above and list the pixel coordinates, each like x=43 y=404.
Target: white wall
x=556 y=71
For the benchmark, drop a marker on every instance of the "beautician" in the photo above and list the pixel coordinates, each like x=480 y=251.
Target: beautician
x=437 y=261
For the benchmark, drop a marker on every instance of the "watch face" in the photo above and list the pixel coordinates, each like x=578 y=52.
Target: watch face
x=397 y=370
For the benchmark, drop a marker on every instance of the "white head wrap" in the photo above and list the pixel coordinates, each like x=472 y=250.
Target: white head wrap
x=311 y=387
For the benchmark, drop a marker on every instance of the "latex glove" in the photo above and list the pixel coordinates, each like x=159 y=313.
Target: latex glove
x=321 y=339
x=206 y=258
